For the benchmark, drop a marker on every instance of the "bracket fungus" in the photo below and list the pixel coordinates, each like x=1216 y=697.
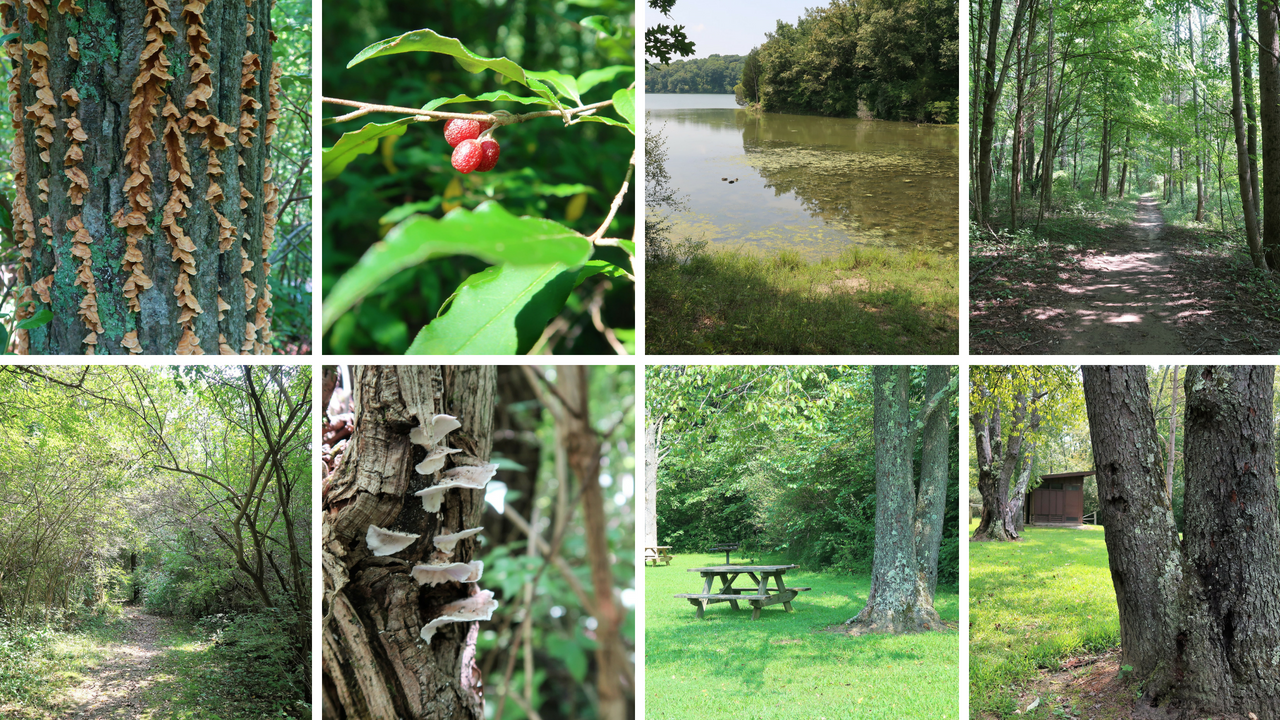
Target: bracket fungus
x=468 y=477
x=387 y=542
x=446 y=543
x=432 y=432
x=434 y=461
x=478 y=607
x=451 y=572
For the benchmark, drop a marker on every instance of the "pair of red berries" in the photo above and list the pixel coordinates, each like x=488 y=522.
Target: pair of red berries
x=469 y=152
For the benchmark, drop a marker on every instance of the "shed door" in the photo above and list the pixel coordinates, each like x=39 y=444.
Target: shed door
x=1073 y=503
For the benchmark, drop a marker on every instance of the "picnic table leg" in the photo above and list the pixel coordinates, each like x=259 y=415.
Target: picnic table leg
x=782 y=589
x=726 y=582
x=756 y=605
x=702 y=605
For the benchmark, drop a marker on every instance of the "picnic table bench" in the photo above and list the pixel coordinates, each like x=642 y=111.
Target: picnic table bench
x=759 y=597
x=657 y=553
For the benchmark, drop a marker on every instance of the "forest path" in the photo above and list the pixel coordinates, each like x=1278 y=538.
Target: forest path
x=1125 y=300
x=115 y=688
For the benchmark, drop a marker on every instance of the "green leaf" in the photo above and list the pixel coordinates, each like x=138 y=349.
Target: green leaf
x=602 y=24
x=4 y=339
x=496 y=96
x=562 y=189
x=361 y=142
x=624 y=101
x=629 y=246
x=40 y=319
x=597 y=267
x=591 y=78
x=607 y=121
x=428 y=41
x=570 y=653
x=566 y=85
x=8 y=36
x=489 y=232
x=397 y=214
x=500 y=311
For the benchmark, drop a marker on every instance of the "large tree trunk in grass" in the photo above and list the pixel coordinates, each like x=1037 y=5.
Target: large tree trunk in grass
x=997 y=459
x=1199 y=620
x=375 y=664
x=901 y=596
x=144 y=209
x=934 y=461
x=652 y=435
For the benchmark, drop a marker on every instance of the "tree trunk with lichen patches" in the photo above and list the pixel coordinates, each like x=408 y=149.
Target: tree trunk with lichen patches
x=144 y=204
x=375 y=664
x=1200 y=616
x=908 y=525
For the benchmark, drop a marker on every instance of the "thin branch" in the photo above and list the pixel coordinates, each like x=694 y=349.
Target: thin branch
x=617 y=202
x=496 y=119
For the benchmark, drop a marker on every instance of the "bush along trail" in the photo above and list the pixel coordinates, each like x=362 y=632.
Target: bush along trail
x=1116 y=279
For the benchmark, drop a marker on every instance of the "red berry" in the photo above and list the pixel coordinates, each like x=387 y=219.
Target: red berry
x=489 y=154
x=467 y=156
x=455 y=131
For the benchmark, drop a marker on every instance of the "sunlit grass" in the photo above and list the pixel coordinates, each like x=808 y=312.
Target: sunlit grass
x=1033 y=603
x=865 y=300
x=786 y=665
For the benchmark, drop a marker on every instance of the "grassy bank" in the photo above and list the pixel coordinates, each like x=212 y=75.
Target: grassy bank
x=1031 y=604
x=40 y=660
x=864 y=301
x=787 y=665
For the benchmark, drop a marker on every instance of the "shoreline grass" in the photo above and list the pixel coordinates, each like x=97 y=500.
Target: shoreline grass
x=1032 y=604
x=863 y=301
x=787 y=664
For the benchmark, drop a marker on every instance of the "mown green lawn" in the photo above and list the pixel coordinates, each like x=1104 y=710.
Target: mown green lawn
x=1033 y=603
x=786 y=665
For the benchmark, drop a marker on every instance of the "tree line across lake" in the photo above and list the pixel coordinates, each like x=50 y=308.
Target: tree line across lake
x=890 y=60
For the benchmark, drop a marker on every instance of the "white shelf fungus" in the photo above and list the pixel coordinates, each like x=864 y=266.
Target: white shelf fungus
x=453 y=572
x=470 y=477
x=478 y=607
x=434 y=461
x=428 y=434
x=446 y=542
x=387 y=542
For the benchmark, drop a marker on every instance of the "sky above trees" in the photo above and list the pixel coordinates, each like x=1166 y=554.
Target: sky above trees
x=726 y=27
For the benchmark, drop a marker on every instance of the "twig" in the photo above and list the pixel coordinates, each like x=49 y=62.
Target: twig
x=617 y=202
x=597 y=299
x=495 y=119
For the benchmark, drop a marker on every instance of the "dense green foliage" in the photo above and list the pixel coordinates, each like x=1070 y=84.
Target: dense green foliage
x=1054 y=584
x=716 y=74
x=786 y=662
x=780 y=459
x=898 y=60
x=184 y=490
x=546 y=170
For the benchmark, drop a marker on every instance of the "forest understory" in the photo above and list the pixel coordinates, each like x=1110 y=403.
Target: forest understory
x=1123 y=282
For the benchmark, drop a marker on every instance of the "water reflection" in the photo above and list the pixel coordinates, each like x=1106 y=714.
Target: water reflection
x=812 y=184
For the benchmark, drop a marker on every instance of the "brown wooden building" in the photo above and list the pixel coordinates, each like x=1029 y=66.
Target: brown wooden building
x=1058 y=501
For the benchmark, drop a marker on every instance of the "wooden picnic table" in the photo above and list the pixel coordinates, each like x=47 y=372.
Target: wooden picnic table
x=760 y=596
x=657 y=553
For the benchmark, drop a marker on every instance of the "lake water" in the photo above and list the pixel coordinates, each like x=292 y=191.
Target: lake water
x=814 y=185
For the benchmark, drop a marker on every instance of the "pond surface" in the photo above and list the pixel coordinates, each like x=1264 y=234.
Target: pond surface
x=814 y=185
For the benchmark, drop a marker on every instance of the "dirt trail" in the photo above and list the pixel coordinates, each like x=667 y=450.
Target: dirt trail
x=1127 y=302
x=114 y=689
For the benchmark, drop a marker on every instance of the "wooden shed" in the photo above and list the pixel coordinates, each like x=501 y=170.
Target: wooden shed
x=1058 y=501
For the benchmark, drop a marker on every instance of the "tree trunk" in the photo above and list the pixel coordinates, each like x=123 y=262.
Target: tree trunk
x=375 y=664
x=1014 y=515
x=1124 y=165
x=900 y=599
x=144 y=210
x=1250 y=112
x=1247 y=200
x=997 y=459
x=992 y=87
x=1269 y=89
x=934 y=462
x=1106 y=156
x=1199 y=621
x=652 y=436
x=583 y=445
x=1173 y=434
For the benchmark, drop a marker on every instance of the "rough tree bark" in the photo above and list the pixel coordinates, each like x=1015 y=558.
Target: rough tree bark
x=375 y=665
x=908 y=524
x=1200 y=617
x=1247 y=200
x=144 y=206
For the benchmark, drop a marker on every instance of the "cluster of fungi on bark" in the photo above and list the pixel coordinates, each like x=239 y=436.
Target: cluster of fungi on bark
x=108 y=191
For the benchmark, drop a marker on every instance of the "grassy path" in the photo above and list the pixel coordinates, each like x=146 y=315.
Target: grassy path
x=789 y=665
x=116 y=687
